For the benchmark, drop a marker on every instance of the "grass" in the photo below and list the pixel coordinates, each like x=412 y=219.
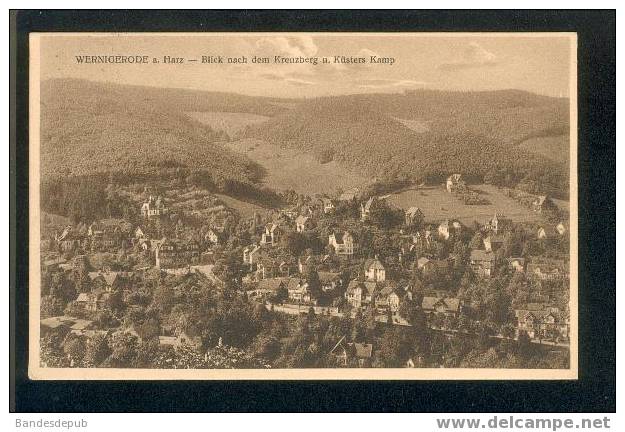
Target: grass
x=419 y=126
x=244 y=208
x=555 y=148
x=437 y=204
x=292 y=169
x=231 y=123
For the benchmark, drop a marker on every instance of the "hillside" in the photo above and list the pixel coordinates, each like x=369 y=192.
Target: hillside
x=89 y=128
x=476 y=134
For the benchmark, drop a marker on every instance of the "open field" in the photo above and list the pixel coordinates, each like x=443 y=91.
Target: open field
x=292 y=169
x=438 y=205
x=555 y=148
x=244 y=208
x=419 y=126
x=229 y=122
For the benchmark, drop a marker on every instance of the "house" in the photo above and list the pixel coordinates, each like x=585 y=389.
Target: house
x=546 y=234
x=303 y=263
x=413 y=216
x=454 y=183
x=498 y=223
x=360 y=293
x=329 y=281
x=108 y=234
x=271 y=235
x=448 y=228
x=213 y=235
x=492 y=242
x=561 y=228
x=422 y=263
x=516 y=264
x=69 y=239
x=302 y=223
x=109 y=226
x=328 y=205
x=344 y=245
x=144 y=244
x=349 y=194
x=183 y=339
x=548 y=270
x=541 y=320
x=171 y=254
x=344 y=354
x=374 y=270
x=444 y=305
x=107 y=280
x=265 y=268
x=482 y=262
x=388 y=299
x=140 y=233
x=265 y=289
x=422 y=238
x=365 y=209
x=543 y=203
x=287 y=268
x=93 y=302
x=251 y=254
x=153 y=207
x=298 y=291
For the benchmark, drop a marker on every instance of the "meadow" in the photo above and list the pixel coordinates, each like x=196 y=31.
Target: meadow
x=437 y=204
x=291 y=169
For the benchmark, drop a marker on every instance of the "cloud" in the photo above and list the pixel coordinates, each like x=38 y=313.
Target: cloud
x=293 y=46
x=474 y=56
x=385 y=83
x=299 y=82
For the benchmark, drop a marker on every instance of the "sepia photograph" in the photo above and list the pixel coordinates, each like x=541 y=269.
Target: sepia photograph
x=314 y=206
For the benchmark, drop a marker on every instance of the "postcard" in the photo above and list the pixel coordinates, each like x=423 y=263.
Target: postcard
x=303 y=206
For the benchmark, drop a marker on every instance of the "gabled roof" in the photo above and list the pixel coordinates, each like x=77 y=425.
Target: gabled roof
x=367 y=286
x=109 y=277
x=413 y=211
x=369 y=203
x=374 y=263
x=387 y=290
x=271 y=227
x=83 y=297
x=451 y=304
x=272 y=284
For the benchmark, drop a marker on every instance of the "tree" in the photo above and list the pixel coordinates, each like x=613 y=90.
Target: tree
x=116 y=301
x=124 y=349
x=395 y=347
x=314 y=283
x=281 y=294
x=97 y=350
x=294 y=243
x=477 y=241
x=74 y=348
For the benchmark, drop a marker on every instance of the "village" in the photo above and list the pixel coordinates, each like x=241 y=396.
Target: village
x=350 y=259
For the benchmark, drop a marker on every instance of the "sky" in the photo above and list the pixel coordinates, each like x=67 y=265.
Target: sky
x=539 y=63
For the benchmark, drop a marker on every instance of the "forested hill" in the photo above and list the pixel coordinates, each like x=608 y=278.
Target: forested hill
x=424 y=134
x=89 y=127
